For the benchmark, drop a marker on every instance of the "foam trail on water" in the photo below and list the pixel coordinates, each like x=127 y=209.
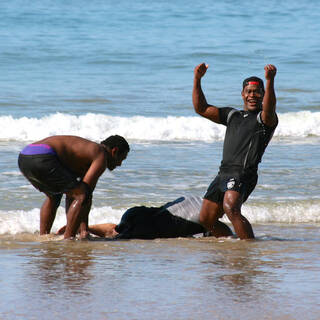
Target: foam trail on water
x=299 y=211
x=20 y=221
x=98 y=126
x=296 y=211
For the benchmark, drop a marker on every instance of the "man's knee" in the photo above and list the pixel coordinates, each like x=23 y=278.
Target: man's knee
x=209 y=213
x=232 y=204
x=231 y=210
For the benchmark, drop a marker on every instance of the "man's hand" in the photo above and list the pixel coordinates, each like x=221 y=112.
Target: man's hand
x=200 y=70
x=270 y=71
x=268 y=115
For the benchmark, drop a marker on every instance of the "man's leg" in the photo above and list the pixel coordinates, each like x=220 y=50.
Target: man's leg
x=48 y=213
x=78 y=205
x=100 y=231
x=209 y=213
x=232 y=207
x=220 y=229
x=84 y=215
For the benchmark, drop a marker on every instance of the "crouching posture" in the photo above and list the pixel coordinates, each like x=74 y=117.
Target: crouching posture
x=69 y=165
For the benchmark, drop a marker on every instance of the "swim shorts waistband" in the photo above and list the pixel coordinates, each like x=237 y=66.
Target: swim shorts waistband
x=33 y=149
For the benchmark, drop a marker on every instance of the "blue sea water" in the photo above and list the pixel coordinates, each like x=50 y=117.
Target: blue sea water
x=104 y=67
x=137 y=59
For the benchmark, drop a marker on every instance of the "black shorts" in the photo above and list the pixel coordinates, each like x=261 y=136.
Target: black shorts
x=224 y=182
x=46 y=173
x=151 y=223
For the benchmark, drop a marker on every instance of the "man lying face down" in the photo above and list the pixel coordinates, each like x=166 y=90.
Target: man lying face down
x=178 y=218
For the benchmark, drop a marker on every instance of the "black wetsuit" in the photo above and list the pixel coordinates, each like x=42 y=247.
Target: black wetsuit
x=245 y=142
x=158 y=222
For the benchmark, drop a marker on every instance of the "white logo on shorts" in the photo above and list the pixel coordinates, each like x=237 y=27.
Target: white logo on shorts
x=231 y=183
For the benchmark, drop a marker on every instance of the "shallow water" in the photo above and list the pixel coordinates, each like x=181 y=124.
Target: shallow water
x=273 y=277
x=99 y=68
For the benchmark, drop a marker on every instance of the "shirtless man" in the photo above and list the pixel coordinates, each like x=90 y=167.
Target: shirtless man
x=247 y=136
x=69 y=165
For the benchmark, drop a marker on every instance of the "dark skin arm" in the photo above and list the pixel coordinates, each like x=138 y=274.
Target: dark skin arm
x=268 y=114
x=97 y=167
x=199 y=101
x=77 y=215
x=103 y=230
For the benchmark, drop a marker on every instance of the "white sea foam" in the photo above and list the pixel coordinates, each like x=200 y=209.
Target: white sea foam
x=98 y=126
x=19 y=221
x=11 y=173
x=294 y=211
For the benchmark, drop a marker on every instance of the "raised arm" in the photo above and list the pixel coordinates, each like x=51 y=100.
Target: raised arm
x=199 y=101
x=268 y=115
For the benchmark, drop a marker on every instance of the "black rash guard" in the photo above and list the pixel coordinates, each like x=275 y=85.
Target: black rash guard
x=178 y=218
x=245 y=141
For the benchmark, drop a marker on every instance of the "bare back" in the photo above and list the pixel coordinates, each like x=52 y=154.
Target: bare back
x=75 y=152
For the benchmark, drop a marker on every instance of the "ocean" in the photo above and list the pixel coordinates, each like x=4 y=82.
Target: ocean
x=99 y=68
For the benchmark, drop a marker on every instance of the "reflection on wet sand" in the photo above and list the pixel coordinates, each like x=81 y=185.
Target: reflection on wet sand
x=64 y=265
x=237 y=270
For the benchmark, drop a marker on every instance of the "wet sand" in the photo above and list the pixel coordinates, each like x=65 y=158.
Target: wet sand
x=273 y=277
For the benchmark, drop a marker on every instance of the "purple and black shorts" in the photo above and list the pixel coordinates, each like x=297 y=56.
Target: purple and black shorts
x=40 y=164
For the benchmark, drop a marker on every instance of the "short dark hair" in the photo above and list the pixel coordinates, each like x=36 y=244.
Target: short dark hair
x=117 y=141
x=253 y=79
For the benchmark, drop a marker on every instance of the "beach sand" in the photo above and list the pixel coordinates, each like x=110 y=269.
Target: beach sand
x=272 y=277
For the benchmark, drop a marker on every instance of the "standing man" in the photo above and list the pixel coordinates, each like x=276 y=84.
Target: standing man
x=247 y=136
x=69 y=165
